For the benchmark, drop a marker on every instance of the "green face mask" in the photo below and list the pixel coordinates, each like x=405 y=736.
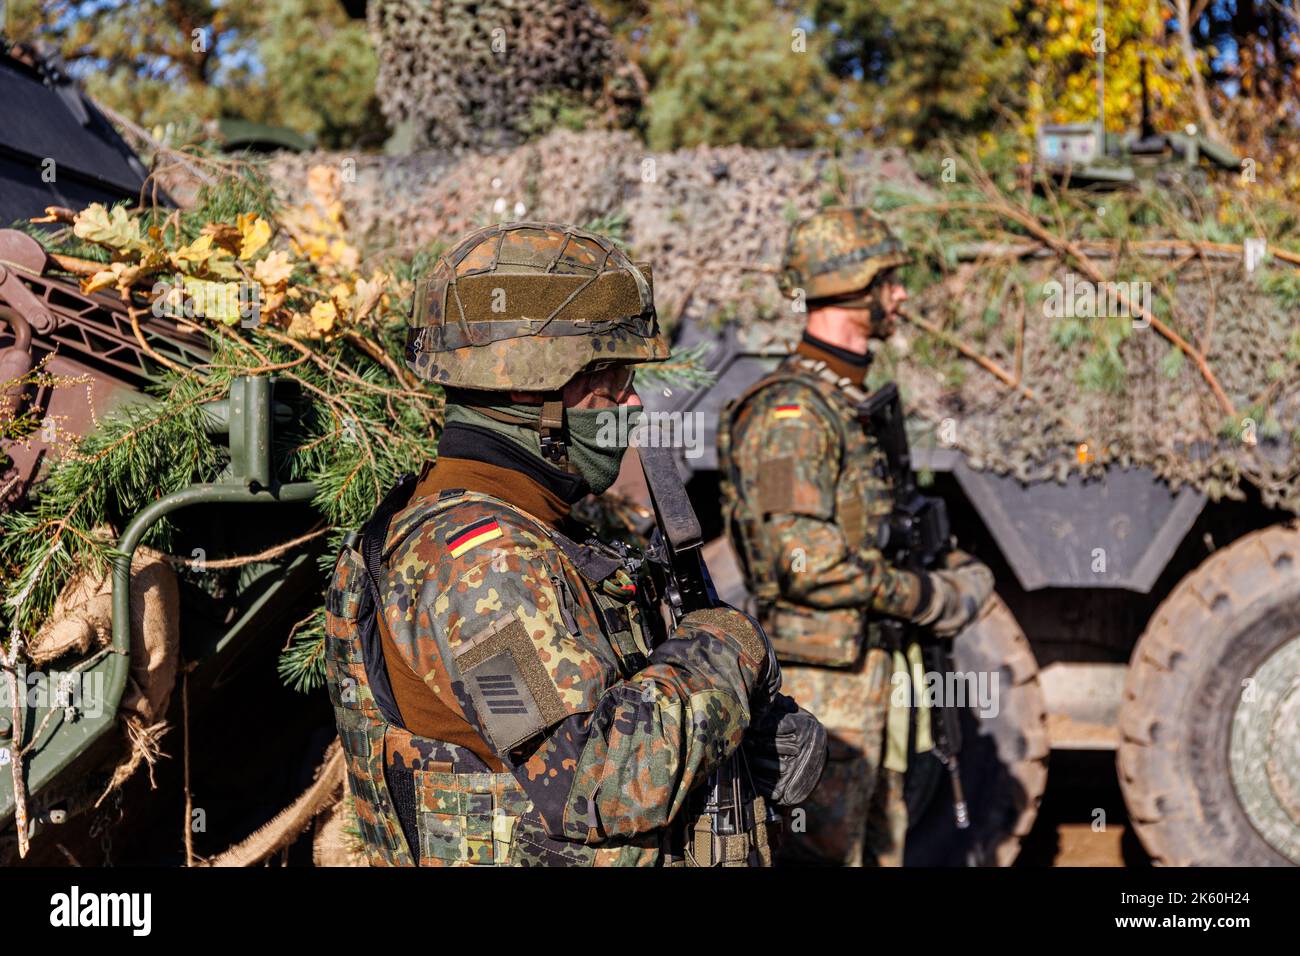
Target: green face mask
x=598 y=438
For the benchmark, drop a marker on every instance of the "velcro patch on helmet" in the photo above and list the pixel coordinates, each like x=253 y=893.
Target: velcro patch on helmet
x=513 y=693
x=854 y=256
x=498 y=297
x=787 y=411
x=480 y=532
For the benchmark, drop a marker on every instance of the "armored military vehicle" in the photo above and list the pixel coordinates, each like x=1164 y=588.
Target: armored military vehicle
x=1162 y=623
x=227 y=626
x=1087 y=155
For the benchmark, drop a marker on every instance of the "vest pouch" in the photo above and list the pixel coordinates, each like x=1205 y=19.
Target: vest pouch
x=623 y=628
x=363 y=751
x=534 y=847
x=827 y=638
x=467 y=819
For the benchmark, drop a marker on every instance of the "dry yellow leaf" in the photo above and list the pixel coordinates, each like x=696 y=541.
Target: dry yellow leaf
x=119 y=274
x=222 y=301
x=300 y=326
x=369 y=292
x=323 y=315
x=224 y=235
x=274 y=270
x=323 y=183
x=255 y=232
x=272 y=299
x=100 y=280
x=313 y=247
x=198 y=251
x=116 y=230
x=345 y=255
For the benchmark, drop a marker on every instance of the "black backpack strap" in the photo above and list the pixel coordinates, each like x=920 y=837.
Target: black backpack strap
x=372 y=648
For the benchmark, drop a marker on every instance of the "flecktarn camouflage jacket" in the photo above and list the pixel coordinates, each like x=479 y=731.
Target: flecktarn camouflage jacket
x=804 y=492
x=537 y=641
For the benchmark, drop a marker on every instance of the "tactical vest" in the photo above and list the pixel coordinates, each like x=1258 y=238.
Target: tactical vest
x=863 y=498
x=429 y=802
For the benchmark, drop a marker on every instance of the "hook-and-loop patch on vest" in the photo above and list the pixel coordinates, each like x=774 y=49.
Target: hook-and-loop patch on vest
x=513 y=695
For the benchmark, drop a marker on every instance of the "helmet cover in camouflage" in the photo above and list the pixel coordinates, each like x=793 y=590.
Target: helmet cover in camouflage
x=527 y=305
x=838 y=251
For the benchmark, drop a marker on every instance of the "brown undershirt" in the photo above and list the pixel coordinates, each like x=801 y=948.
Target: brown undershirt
x=855 y=373
x=423 y=711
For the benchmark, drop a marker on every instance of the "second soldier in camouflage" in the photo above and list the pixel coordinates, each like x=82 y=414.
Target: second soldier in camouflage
x=805 y=491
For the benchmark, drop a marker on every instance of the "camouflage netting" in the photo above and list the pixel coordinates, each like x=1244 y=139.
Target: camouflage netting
x=453 y=74
x=1110 y=391
x=713 y=221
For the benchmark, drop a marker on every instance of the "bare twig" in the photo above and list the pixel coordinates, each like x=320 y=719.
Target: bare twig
x=75 y=265
x=377 y=353
x=1192 y=61
x=1020 y=336
x=267 y=555
x=134 y=314
x=982 y=361
x=998 y=205
x=344 y=371
x=189 y=796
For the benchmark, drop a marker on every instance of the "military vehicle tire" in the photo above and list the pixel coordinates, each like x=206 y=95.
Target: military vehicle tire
x=1210 y=722
x=1003 y=757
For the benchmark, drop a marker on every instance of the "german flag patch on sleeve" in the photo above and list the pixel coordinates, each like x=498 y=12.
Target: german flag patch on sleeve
x=480 y=532
x=787 y=411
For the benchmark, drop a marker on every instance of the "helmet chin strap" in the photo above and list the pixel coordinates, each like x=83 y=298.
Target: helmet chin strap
x=549 y=425
x=878 y=318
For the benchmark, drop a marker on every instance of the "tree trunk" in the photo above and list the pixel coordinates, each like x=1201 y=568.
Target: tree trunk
x=1208 y=126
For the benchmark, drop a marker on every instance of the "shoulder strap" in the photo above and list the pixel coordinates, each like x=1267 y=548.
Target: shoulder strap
x=832 y=383
x=372 y=648
x=799 y=368
x=591 y=563
x=779 y=374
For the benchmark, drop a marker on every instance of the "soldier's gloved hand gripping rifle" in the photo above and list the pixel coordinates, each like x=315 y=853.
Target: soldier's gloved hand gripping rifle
x=729 y=821
x=916 y=536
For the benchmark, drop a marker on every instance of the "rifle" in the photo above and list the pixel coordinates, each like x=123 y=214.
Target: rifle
x=915 y=536
x=683 y=581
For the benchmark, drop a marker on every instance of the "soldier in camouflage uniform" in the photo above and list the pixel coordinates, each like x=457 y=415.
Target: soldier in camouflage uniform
x=804 y=492
x=497 y=693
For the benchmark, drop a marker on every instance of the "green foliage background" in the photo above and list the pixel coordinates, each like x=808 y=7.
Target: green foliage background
x=301 y=64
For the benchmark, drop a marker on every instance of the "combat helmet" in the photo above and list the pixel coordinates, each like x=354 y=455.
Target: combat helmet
x=527 y=305
x=837 y=252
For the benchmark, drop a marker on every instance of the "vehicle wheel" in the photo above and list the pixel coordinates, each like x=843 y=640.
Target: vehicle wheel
x=1003 y=756
x=1209 y=756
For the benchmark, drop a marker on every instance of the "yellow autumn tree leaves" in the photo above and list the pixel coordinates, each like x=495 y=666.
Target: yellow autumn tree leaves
x=1063 y=63
x=317 y=232
x=307 y=283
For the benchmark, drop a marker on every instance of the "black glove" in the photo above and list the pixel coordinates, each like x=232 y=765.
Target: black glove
x=785 y=752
